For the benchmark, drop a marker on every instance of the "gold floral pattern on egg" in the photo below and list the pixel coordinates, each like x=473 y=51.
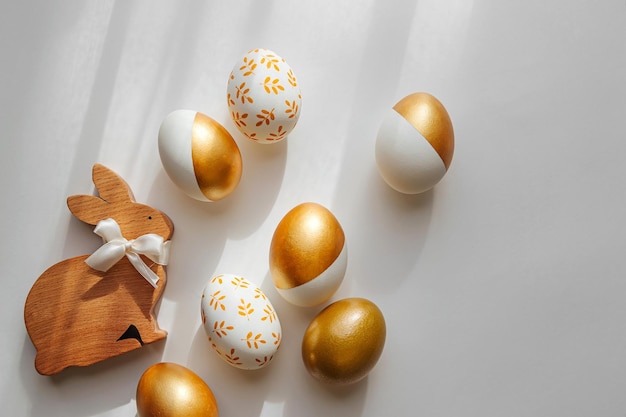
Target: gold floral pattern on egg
x=292 y=108
x=292 y=78
x=239 y=119
x=259 y=294
x=232 y=358
x=216 y=300
x=242 y=93
x=253 y=341
x=240 y=282
x=248 y=66
x=263 y=87
x=266 y=116
x=245 y=309
x=270 y=314
x=271 y=60
x=278 y=135
x=241 y=324
x=221 y=329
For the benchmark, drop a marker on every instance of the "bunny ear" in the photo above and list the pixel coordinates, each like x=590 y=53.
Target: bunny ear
x=88 y=208
x=111 y=187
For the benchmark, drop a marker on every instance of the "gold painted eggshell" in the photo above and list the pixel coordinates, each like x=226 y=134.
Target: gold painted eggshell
x=169 y=389
x=344 y=341
x=415 y=144
x=199 y=155
x=263 y=96
x=308 y=255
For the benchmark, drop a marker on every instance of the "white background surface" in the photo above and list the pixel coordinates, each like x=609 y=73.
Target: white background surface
x=503 y=289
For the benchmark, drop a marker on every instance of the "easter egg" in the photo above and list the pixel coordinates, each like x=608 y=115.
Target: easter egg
x=308 y=255
x=169 y=389
x=240 y=322
x=415 y=144
x=199 y=155
x=344 y=341
x=263 y=96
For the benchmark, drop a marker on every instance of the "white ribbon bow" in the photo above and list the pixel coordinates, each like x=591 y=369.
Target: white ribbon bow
x=116 y=246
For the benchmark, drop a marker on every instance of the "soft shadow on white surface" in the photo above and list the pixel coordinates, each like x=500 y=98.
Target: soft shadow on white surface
x=502 y=288
x=263 y=172
x=284 y=385
x=77 y=391
x=237 y=391
x=300 y=393
x=199 y=234
x=382 y=225
x=393 y=230
x=100 y=97
x=202 y=229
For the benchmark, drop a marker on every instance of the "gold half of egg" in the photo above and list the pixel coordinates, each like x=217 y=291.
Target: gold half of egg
x=426 y=114
x=415 y=144
x=199 y=155
x=216 y=158
x=308 y=255
x=169 y=389
x=344 y=341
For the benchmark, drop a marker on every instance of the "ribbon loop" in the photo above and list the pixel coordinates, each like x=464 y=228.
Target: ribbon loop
x=115 y=247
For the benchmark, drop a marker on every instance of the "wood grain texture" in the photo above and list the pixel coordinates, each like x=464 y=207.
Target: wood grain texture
x=77 y=316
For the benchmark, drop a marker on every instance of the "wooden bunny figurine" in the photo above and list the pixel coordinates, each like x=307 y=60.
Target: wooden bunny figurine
x=92 y=307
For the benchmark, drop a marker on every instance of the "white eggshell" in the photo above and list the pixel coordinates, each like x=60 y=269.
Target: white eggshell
x=321 y=288
x=240 y=321
x=263 y=96
x=175 y=151
x=405 y=159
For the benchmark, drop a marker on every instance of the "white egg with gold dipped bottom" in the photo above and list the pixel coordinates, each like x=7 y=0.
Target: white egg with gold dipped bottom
x=415 y=144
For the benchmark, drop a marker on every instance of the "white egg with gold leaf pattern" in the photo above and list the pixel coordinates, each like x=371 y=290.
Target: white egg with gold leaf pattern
x=264 y=97
x=240 y=322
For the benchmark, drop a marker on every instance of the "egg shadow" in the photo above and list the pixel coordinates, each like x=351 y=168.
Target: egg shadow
x=273 y=383
x=201 y=229
x=262 y=177
x=200 y=233
x=293 y=389
x=238 y=392
x=284 y=383
x=386 y=232
x=76 y=391
x=315 y=398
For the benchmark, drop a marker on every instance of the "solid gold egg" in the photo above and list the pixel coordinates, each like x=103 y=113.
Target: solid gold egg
x=344 y=341
x=168 y=389
x=308 y=255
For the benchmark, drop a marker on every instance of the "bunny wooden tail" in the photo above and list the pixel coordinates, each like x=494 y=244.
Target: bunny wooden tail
x=46 y=365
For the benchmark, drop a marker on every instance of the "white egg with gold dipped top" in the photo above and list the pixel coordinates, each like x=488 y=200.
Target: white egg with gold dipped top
x=308 y=255
x=415 y=144
x=263 y=96
x=199 y=155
